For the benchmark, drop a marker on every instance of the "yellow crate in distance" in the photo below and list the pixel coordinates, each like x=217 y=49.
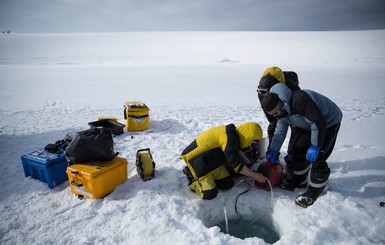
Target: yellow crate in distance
x=137 y=117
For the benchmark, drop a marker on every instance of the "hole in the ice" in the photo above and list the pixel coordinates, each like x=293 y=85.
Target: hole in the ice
x=262 y=228
x=245 y=218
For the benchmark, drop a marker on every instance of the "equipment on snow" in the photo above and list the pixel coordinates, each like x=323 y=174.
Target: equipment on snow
x=272 y=172
x=145 y=165
x=95 y=144
x=137 y=117
x=60 y=146
x=109 y=118
x=97 y=179
x=45 y=166
x=116 y=127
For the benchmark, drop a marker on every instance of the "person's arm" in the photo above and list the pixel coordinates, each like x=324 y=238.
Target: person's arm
x=230 y=148
x=279 y=135
x=254 y=175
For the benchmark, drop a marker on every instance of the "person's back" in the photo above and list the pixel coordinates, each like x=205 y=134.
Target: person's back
x=216 y=151
x=328 y=108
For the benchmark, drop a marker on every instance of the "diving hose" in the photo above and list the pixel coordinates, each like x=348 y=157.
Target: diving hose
x=236 y=201
x=199 y=205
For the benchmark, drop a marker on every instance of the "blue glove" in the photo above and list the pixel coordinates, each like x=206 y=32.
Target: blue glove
x=271 y=156
x=312 y=153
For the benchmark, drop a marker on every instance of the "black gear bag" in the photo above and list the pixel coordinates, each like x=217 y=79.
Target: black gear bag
x=95 y=144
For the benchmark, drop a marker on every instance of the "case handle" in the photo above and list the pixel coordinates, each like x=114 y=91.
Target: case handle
x=76 y=184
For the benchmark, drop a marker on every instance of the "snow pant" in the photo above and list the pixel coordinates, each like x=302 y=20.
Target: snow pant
x=320 y=171
x=211 y=174
x=296 y=162
x=298 y=142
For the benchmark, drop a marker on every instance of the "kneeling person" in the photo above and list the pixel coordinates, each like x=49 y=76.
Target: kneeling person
x=215 y=153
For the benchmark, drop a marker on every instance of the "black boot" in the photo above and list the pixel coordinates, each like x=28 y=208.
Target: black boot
x=319 y=175
x=308 y=198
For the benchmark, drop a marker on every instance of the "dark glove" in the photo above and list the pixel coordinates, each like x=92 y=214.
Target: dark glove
x=312 y=153
x=271 y=156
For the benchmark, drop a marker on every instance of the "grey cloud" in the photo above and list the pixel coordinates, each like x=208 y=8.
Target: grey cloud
x=186 y=15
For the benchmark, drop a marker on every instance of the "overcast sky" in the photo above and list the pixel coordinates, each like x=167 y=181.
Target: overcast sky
x=190 y=15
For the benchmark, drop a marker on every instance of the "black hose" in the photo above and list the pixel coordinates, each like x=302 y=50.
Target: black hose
x=236 y=201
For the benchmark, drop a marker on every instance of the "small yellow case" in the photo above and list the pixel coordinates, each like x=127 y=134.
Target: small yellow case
x=97 y=179
x=137 y=116
x=108 y=118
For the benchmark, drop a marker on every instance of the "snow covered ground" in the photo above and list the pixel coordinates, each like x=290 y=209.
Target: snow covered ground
x=54 y=84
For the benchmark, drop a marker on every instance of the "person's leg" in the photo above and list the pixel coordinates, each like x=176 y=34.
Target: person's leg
x=200 y=172
x=320 y=171
x=222 y=178
x=295 y=175
x=297 y=167
x=205 y=187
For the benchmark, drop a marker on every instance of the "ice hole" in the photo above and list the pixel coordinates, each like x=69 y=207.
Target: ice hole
x=263 y=228
x=252 y=219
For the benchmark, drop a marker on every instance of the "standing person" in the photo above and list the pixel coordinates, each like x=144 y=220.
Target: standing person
x=218 y=151
x=318 y=115
x=271 y=76
x=298 y=137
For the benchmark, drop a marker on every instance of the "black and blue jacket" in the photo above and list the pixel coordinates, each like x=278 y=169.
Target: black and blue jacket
x=308 y=110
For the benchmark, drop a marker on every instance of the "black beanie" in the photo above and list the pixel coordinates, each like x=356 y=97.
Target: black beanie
x=267 y=82
x=271 y=103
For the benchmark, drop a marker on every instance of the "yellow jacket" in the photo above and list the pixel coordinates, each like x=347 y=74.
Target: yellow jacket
x=229 y=139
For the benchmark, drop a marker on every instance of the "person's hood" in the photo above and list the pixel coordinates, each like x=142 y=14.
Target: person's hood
x=284 y=93
x=271 y=76
x=248 y=132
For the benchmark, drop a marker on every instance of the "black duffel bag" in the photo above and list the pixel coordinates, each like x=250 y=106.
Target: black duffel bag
x=95 y=144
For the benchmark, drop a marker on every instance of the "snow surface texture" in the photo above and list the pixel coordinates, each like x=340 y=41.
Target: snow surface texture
x=54 y=84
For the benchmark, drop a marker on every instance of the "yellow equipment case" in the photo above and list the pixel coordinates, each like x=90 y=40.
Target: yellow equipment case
x=97 y=179
x=137 y=116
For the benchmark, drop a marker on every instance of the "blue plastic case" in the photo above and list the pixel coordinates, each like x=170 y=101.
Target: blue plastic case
x=46 y=167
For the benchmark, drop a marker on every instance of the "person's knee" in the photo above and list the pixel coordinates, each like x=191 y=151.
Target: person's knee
x=204 y=187
x=296 y=163
x=225 y=183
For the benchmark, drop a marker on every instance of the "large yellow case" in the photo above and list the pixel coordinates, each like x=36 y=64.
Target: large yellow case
x=137 y=116
x=97 y=179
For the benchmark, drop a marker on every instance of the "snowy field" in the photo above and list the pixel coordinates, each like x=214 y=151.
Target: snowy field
x=54 y=84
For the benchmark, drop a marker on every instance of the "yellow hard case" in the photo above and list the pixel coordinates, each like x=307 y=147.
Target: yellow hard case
x=97 y=179
x=137 y=116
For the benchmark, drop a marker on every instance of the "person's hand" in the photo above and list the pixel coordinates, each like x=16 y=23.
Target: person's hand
x=312 y=153
x=271 y=156
x=260 y=178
